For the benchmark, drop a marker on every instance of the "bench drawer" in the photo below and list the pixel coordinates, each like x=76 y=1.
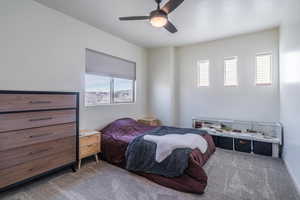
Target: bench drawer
x=26 y=102
x=242 y=145
x=225 y=143
x=262 y=148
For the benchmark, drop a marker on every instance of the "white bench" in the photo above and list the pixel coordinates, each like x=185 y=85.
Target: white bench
x=255 y=132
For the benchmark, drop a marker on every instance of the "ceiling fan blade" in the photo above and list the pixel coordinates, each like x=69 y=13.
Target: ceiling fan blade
x=171 y=5
x=170 y=27
x=134 y=18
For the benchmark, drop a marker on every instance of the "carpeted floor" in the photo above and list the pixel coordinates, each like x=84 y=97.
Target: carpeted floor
x=232 y=176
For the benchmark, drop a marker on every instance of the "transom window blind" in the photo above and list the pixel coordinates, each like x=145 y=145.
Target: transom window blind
x=230 y=72
x=203 y=73
x=105 y=65
x=264 y=69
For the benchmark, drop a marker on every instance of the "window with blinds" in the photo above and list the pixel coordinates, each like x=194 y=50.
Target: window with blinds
x=230 y=72
x=108 y=79
x=203 y=73
x=264 y=69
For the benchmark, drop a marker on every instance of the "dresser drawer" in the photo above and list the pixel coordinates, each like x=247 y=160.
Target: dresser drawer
x=89 y=150
x=20 y=155
x=88 y=140
x=35 y=167
x=16 y=121
x=25 y=102
x=14 y=139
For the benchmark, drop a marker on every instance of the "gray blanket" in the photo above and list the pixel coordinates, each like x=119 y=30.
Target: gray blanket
x=140 y=154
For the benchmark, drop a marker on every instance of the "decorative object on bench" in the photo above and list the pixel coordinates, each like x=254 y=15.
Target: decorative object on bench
x=151 y=121
x=89 y=144
x=263 y=138
x=38 y=134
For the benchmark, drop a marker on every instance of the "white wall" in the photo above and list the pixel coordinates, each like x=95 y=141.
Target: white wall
x=161 y=84
x=290 y=88
x=245 y=102
x=173 y=94
x=42 y=49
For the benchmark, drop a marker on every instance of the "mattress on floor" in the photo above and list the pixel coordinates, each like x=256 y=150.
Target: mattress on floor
x=116 y=137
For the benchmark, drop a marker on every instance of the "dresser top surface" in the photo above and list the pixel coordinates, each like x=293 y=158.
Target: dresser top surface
x=36 y=92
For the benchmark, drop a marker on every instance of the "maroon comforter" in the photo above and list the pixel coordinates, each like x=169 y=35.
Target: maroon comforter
x=117 y=135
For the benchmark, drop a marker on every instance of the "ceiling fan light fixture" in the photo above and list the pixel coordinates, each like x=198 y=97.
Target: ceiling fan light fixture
x=158 y=19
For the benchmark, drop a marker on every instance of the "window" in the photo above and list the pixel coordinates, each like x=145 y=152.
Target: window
x=230 y=72
x=203 y=73
x=108 y=80
x=264 y=69
x=123 y=90
x=97 y=90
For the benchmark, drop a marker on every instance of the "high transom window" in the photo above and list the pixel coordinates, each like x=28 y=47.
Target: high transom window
x=230 y=71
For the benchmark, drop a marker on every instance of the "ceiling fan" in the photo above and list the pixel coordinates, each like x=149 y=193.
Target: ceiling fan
x=159 y=17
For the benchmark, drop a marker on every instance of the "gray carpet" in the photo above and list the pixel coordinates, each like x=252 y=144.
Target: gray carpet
x=232 y=176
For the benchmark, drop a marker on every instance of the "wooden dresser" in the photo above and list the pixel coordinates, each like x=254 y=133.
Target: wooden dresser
x=38 y=134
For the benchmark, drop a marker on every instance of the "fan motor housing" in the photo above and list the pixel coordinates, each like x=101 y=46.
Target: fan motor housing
x=158 y=13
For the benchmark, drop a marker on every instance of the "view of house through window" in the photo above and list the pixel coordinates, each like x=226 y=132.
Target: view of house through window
x=123 y=90
x=97 y=90
x=100 y=90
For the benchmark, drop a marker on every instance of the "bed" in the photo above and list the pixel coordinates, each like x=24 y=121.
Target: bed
x=116 y=137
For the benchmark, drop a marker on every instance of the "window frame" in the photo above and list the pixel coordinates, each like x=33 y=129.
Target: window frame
x=113 y=102
x=101 y=104
x=237 y=71
x=198 y=72
x=271 y=70
x=111 y=93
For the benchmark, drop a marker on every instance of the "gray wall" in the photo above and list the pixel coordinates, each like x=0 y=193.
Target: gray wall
x=290 y=88
x=42 y=49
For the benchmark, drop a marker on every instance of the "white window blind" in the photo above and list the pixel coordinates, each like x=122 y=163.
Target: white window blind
x=264 y=69
x=105 y=65
x=203 y=73
x=108 y=79
x=230 y=72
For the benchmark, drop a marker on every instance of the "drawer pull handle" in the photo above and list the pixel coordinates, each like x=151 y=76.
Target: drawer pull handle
x=41 y=119
x=38 y=152
x=40 y=135
x=40 y=102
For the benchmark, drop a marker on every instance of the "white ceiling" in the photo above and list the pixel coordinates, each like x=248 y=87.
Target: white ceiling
x=196 y=20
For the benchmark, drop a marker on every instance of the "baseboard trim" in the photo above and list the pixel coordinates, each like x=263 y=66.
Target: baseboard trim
x=297 y=185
